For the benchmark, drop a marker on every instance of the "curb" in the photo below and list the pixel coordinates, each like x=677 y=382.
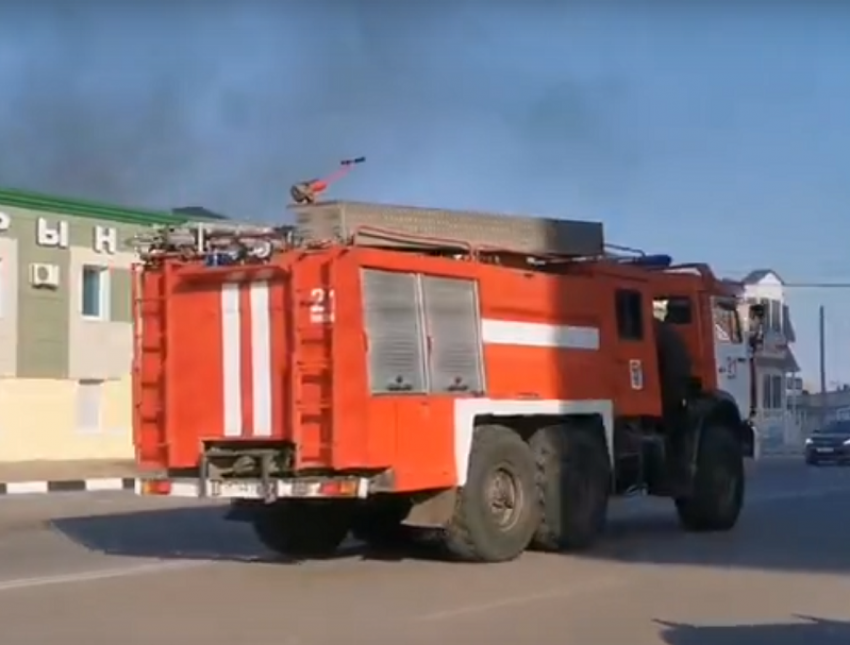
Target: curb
x=67 y=486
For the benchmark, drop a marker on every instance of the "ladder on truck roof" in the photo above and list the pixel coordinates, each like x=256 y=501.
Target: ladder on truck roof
x=378 y=225
x=530 y=240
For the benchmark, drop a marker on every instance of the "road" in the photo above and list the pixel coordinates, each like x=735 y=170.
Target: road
x=107 y=568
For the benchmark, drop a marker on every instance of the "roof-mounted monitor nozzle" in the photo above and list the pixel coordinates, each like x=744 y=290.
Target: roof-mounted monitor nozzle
x=307 y=192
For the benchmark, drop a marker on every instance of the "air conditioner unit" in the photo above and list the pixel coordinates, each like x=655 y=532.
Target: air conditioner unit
x=44 y=276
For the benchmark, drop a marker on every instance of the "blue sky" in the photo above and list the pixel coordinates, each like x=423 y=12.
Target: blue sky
x=715 y=133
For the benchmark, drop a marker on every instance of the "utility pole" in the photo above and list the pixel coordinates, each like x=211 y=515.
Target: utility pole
x=822 y=341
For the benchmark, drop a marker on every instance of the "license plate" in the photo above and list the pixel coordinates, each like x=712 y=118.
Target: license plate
x=824 y=450
x=236 y=489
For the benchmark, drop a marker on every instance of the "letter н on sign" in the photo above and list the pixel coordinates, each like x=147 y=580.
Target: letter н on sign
x=105 y=239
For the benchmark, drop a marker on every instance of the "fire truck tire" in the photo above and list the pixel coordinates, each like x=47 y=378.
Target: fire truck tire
x=719 y=482
x=302 y=528
x=379 y=523
x=495 y=515
x=573 y=486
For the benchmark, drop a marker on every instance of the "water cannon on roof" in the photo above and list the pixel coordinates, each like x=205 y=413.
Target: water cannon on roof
x=308 y=192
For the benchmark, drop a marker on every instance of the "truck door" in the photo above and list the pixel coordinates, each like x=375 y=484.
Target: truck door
x=731 y=354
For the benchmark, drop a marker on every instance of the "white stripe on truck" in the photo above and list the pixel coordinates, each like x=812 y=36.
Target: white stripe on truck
x=231 y=352
x=526 y=334
x=261 y=359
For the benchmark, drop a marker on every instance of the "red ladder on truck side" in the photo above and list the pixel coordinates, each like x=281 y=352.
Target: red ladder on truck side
x=310 y=342
x=149 y=385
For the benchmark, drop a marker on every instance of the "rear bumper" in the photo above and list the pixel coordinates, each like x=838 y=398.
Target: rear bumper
x=257 y=489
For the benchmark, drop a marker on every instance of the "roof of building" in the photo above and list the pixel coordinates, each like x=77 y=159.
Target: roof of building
x=91 y=209
x=199 y=212
x=757 y=275
x=736 y=286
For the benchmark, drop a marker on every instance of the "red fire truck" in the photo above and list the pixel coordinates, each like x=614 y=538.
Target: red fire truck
x=495 y=379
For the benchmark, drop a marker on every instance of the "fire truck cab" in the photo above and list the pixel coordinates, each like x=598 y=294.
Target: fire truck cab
x=495 y=384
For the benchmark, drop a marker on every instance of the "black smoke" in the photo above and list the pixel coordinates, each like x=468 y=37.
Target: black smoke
x=226 y=104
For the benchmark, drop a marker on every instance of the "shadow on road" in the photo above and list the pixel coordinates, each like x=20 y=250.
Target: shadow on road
x=196 y=534
x=806 y=534
x=177 y=533
x=809 y=631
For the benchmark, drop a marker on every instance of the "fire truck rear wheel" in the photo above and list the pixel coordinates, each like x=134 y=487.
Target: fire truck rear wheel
x=573 y=486
x=718 y=491
x=495 y=515
x=303 y=528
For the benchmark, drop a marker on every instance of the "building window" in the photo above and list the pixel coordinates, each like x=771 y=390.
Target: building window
x=773 y=314
x=89 y=406
x=795 y=384
x=777 y=394
x=94 y=292
x=772 y=394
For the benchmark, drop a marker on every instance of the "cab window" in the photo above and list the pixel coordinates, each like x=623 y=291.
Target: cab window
x=727 y=325
x=629 y=308
x=673 y=309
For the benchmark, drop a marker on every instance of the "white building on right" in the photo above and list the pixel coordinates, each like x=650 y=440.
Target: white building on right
x=777 y=369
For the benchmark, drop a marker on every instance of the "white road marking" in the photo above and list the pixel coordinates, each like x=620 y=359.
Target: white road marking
x=583 y=588
x=96 y=574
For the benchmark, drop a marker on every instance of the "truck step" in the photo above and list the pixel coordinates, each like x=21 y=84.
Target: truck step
x=312 y=406
x=314 y=336
x=312 y=369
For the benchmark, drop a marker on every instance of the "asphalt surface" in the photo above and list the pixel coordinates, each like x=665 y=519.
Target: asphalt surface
x=106 y=568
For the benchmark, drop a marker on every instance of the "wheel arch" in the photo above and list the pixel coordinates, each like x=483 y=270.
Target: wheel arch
x=523 y=416
x=720 y=407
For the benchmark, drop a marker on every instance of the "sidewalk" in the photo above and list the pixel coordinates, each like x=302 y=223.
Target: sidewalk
x=66 y=476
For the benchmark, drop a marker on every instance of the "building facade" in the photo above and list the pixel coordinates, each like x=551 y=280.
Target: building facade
x=776 y=366
x=66 y=334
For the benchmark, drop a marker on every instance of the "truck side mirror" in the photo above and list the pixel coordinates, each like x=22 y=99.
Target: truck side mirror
x=756 y=325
